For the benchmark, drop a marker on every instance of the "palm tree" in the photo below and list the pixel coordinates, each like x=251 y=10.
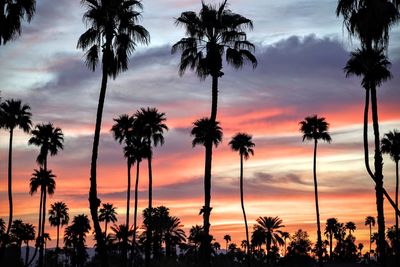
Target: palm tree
x=351 y=226
x=242 y=142
x=370 y=221
x=316 y=128
x=113 y=32
x=58 y=216
x=151 y=125
x=210 y=34
x=331 y=229
x=391 y=146
x=107 y=214
x=120 y=234
x=373 y=66
x=227 y=239
x=270 y=227
x=50 y=140
x=285 y=236
x=360 y=248
x=173 y=235
x=12 y=13
x=75 y=238
x=14 y=115
x=257 y=237
x=28 y=235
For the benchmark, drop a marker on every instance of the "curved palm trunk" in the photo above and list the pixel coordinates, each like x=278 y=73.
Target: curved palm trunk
x=135 y=213
x=319 y=240
x=150 y=228
x=379 y=180
x=244 y=212
x=94 y=201
x=10 y=201
x=128 y=200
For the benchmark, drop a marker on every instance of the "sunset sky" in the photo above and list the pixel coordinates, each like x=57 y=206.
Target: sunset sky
x=301 y=47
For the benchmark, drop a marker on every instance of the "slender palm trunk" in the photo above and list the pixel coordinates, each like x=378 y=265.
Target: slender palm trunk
x=93 y=199
x=370 y=239
x=150 y=228
x=319 y=240
x=135 y=212
x=42 y=244
x=58 y=237
x=39 y=234
x=128 y=200
x=105 y=228
x=379 y=180
x=26 y=253
x=244 y=212
x=10 y=201
x=330 y=246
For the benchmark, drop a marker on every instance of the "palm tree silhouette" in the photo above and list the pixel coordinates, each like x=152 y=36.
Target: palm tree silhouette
x=370 y=221
x=28 y=235
x=75 y=238
x=11 y=16
x=58 y=216
x=391 y=146
x=243 y=143
x=121 y=234
x=373 y=66
x=331 y=229
x=211 y=34
x=285 y=236
x=351 y=226
x=151 y=125
x=113 y=32
x=173 y=235
x=14 y=115
x=44 y=180
x=50 y=140
x=107 y=214
x=316 y=128
x=227 y=239
x=270 y=227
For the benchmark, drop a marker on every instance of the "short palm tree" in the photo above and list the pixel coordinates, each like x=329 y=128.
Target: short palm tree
x=270 y=227
x=331 y=229
x=212 y=33
x=75 y=238
x=373 y=66
x=316 y=128
x=58 y=216
x=173 y=235
x=243 y=143
x=227 y=239
x=370 y=221
x=28 y=235
x=14 y=115
x=351 y=226
x=50 y=141
x=11 y=16
x=285 y=236
x=113 y=33
x=390 y=144
x=151 y=125
x=107 y=214
x=44 y=180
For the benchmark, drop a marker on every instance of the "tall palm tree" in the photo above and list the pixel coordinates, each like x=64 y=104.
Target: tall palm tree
x=11 y=16
x=227 y=239
x=243 y=143
x=151 y=125
x=316 y=128
x=50 y=140
x=351 y=226
x=112 y=32
x=212 y=33
x=14 y=115
x=331 y=229
x=391 y=146
x=58 y=216
x=373 y=66
x=44 y=180
x=107 y=214
x=370 y=221
x=270 y=227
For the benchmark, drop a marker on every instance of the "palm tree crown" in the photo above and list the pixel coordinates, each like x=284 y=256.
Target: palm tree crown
x=210 y=34
x=270 y=227
x=204 y=131
x=113 y=30
x=315 y=128
x=108 y=213
x=42 y=179
x=391 y=145
x=151 y=124
x=15 y=114
x=242 y=142
x=11 y=16
x=369 y=220
x=58 y=214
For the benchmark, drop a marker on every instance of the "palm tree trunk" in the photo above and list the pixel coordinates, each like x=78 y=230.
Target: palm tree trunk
x=244 y=212
x=10 y=202
x=135 y=212
x=214 y=100
x=379 y=180
x=319 y=240
x=128 y=200
x=26 y=253
x=370 y=240
x=397 y=218
x=39 y=234
x=149 y=230
x=58 y=237
x=41 y=249
x=105 y=230
x=93 y=199
x=330 y=247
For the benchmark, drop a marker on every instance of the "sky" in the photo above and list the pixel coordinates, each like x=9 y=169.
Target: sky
x=301 y=48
